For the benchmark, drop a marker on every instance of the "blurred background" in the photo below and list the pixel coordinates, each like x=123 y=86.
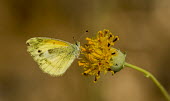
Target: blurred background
x=142 y=25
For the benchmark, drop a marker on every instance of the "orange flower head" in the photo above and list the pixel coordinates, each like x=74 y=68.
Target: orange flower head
x=100 y=56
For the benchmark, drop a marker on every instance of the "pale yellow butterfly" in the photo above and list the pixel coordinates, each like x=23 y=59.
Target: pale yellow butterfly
x=53 y=56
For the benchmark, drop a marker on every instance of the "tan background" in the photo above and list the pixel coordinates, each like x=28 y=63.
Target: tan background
x=142 y=25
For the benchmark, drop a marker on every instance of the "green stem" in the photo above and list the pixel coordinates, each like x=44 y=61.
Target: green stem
x=149 y=75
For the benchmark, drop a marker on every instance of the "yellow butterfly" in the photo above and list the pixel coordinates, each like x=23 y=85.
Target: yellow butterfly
x=53 y=56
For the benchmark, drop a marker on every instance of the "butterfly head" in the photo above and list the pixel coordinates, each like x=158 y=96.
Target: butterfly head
x=77 y=48
x=77 y=44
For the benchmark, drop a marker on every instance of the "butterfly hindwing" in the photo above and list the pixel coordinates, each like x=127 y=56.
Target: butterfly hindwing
x=56 y=63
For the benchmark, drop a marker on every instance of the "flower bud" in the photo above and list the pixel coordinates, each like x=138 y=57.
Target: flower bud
x=118 y=60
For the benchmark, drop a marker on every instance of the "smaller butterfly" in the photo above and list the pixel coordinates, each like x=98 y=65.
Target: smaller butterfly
x=53 y=56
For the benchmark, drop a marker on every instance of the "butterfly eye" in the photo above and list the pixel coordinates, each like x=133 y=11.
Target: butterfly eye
x=77 y=44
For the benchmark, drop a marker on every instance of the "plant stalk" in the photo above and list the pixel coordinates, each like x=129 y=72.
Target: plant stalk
x=149 y=75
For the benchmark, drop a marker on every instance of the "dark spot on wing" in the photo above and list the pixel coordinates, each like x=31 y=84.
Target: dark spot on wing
x=87 y=31
x=28 y=44
x=116 y=64
x=39 y=51
x=40 y=54
x=50 y=51
x=39 y=40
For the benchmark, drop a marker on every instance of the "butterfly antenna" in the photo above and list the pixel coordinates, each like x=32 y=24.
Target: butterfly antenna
x=83 y=34
x=74 y=39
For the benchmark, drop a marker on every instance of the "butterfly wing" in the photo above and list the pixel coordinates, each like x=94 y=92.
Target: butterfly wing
x=53 y=56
